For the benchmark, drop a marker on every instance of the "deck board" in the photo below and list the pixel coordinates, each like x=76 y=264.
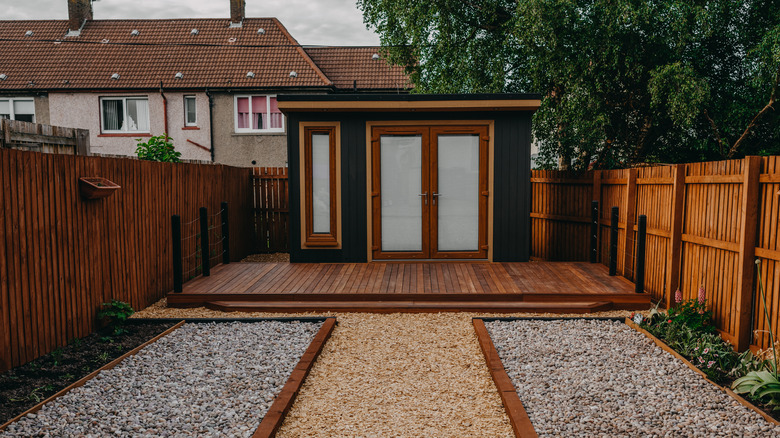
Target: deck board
x=410 y=278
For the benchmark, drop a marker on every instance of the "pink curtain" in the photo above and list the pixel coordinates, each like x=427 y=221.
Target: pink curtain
x=258 y=108
x=275 y=116
x=243 y=112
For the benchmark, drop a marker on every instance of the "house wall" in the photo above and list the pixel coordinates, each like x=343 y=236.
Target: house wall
x=241 y=149
x=82 y=110
x=41 y=102
x=511 y=177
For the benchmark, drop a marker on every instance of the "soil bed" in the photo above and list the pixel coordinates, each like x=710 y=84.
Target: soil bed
x=23 y=387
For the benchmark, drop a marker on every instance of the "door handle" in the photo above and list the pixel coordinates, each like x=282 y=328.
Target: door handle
x=425 y=195
x=435 y=195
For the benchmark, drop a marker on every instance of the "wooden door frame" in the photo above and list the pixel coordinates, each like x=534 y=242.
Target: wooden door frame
x=376 y=177
x=482 y=245
x=370 y=157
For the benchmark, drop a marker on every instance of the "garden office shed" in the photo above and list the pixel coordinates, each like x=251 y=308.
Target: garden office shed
x=409 y=177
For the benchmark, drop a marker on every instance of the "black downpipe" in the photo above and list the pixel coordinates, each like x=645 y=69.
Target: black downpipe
x=211 y=123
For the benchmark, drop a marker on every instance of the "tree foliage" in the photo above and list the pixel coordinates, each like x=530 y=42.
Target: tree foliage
x=158 y=148
x=623 y=81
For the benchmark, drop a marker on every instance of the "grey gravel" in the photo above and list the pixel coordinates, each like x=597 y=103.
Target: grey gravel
x=216 y=379
x=602 y=378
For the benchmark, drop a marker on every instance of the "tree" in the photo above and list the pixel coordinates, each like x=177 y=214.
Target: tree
x=157 y=148
x=623 y=81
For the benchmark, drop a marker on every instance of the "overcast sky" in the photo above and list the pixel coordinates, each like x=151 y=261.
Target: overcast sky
x=313 y=22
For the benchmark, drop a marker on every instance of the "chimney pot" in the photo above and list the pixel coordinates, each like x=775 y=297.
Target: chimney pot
x=237 y=12
x=79 y=11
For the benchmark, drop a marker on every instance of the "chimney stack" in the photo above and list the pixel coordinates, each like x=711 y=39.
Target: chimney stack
x=79 y=11
x=237 y=12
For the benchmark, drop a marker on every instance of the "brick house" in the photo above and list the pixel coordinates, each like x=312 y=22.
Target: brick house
x=211 y=84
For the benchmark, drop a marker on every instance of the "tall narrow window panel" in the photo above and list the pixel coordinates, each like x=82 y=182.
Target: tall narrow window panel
x=320 y=186
x=18 y=109
x=124 y=114
x=258 y=114
x=190 y=113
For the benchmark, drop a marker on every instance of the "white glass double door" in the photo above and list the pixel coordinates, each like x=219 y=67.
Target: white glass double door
x=429 y=192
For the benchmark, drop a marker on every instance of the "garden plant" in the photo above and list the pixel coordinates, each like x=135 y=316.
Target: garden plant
x=158 y=148
x=688 y=328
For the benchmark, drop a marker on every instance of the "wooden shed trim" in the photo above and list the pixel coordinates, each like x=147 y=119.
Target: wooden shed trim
x=404 y=105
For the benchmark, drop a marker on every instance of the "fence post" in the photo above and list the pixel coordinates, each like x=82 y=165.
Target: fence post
x=204 y=241
x=613 y=241
x=751 y=171
x=639 y=274
x=630 y=220
x=178 y=273
x=594 y=231
x=674 y=257
x=82 y=142
x=225 y=235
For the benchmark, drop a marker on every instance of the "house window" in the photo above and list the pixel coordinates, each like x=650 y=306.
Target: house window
x=320 y=179
x=258 y=114
x=190 y=115
x=18 y=109
x=125 y=114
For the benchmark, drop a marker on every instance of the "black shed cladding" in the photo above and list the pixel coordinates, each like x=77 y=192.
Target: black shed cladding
x=507 y=115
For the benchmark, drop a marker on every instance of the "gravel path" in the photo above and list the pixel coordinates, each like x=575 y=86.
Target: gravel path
x=213 y=379
x=396 y=375
x=399 y=375
x=596 y=378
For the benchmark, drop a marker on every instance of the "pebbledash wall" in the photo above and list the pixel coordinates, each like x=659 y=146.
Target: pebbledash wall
x=245 y=149
x=82 y=110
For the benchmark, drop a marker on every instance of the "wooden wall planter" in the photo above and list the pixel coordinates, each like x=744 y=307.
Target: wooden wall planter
x=96 y=187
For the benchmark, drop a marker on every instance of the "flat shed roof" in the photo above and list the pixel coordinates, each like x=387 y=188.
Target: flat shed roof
x=408 y=102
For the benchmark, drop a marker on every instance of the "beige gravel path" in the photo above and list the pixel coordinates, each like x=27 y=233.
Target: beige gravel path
x=392 y=375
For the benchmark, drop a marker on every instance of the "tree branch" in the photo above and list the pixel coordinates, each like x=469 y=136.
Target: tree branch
x=717 y=132
x=753 y=122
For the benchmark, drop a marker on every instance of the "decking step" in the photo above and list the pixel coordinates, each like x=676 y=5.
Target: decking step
x=409 y=306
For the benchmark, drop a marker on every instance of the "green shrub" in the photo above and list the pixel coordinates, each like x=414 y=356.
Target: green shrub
x=158 y=148
x=115 y=314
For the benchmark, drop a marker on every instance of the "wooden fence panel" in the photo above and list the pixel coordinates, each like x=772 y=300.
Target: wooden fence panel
x=560 y=215
x=271 y=195
x=25 y=136
x=768 y=252
x=614 y=193
x=710 y=248
x=62 y=256
x=696 y=234
x=653 y=199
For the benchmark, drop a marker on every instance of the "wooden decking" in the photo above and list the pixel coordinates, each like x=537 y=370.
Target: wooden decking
x=376 y=287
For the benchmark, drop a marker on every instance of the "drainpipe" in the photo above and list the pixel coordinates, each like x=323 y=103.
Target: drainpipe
x=211 y=123
x=165 y=110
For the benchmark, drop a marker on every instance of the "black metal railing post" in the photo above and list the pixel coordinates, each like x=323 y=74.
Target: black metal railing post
x=640 y=254
x=225 y=235
x=613 y=241
x=178 y=271
x=594 y=231
x=204 y=241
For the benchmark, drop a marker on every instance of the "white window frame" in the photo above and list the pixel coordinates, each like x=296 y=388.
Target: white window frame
x=124 y=108
x=11 y=101
x=195 y=103
x=266 y=112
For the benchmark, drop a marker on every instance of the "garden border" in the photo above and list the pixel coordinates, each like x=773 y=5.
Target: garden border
x=93 y=374
x=274 y=418
x=518 y=417
x=690 y=365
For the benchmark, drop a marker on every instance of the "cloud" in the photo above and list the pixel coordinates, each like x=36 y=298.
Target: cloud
x=311 y=22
